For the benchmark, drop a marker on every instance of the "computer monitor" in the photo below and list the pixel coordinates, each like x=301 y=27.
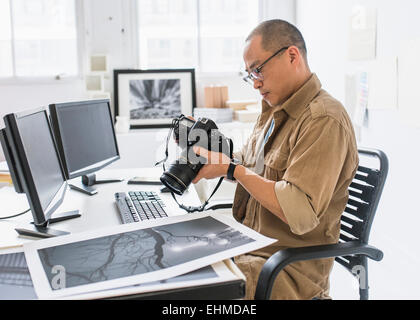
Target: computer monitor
x=35 y=167
x=86 y=140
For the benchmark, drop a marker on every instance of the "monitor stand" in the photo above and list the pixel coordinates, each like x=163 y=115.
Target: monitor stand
x=84 y=189
x=88 y=181
x=43 y=231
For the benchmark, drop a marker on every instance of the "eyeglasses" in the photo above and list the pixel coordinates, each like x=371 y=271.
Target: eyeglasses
x=256 y=74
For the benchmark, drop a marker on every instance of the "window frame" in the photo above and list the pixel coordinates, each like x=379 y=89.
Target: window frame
x=262 y=8
x=53 y=79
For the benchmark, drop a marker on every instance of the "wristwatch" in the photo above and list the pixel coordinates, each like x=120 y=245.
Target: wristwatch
x=231 y=170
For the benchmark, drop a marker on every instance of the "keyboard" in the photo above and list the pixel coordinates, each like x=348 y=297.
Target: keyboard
x=135 y=206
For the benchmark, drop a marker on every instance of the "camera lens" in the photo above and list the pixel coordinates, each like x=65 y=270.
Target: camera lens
x=179 y=176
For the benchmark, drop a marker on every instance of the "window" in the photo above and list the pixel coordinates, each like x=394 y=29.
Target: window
x=208 y=35
x=6 y=68
x=38 y=38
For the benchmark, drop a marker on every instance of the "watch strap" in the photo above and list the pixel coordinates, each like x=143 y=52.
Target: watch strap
x=231 y=170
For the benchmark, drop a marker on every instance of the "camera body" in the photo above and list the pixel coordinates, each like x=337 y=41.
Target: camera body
x=189 y=133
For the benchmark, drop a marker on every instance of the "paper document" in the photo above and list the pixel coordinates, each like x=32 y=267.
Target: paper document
x=216 y=273
x=383 y=84
x=136 y=253
x=408 y=92
x=15 y=280
x=362 y=33
x=362 y=98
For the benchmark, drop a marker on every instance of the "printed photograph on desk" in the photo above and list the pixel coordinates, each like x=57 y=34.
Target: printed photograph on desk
x=15 y=279
x=134 y=254
x=152 y=98
x=216 y=273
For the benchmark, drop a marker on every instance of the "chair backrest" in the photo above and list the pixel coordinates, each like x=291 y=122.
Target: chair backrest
x=364 y=194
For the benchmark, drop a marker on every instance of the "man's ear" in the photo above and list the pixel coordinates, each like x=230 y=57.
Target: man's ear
x=294 y=54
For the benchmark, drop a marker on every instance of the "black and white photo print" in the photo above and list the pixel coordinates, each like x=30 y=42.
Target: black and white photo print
x=140 y=251
x=155 y=98
x=148 y=255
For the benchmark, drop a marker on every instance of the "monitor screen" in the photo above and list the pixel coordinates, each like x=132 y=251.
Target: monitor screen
x=37 y=160
x=85 y=135
x=43 y=159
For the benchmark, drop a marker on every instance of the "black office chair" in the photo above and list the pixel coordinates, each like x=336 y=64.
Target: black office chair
x=353 y=249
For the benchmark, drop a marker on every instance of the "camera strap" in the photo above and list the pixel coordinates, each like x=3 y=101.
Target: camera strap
x=191 y=209
x=174 y=123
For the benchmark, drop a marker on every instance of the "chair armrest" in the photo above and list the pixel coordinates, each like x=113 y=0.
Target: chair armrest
x=279 y=260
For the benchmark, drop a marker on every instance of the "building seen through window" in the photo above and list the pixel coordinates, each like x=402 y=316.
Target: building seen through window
x=38 y=38
x=205 y=34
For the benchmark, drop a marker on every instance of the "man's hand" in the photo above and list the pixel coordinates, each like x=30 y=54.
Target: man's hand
x=259 y=187
x=216 y=166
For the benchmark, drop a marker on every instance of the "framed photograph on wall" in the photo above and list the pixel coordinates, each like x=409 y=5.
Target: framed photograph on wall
x=152 y=98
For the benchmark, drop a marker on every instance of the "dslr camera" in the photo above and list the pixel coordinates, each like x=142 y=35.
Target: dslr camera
x=189 y=133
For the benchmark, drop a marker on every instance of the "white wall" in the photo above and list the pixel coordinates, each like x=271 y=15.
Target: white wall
x=324 y=24
x=15 y=98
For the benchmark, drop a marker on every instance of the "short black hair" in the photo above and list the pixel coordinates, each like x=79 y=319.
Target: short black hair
x=278 y=33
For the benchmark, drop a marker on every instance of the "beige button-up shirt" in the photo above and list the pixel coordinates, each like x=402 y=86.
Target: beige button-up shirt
x=312 y=155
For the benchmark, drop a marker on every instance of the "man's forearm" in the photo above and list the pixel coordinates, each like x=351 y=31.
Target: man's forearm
x=261 y=189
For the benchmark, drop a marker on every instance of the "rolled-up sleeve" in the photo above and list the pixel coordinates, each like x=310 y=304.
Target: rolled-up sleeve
x=296 y=207
x=315 y=165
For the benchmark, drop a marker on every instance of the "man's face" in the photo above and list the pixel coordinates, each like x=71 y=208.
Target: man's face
x=278 y=75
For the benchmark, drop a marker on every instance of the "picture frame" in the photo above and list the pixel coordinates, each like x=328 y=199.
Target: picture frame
x=152 y=98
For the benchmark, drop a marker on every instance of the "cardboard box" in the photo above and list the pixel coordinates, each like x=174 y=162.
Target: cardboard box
x=215 y=96
x=239 y=104
x=208 y=97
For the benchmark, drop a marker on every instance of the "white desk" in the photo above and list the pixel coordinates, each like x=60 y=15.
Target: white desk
x=97 y=211
x=100 y=211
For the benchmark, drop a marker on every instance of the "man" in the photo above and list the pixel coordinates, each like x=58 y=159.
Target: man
x=296 y=166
